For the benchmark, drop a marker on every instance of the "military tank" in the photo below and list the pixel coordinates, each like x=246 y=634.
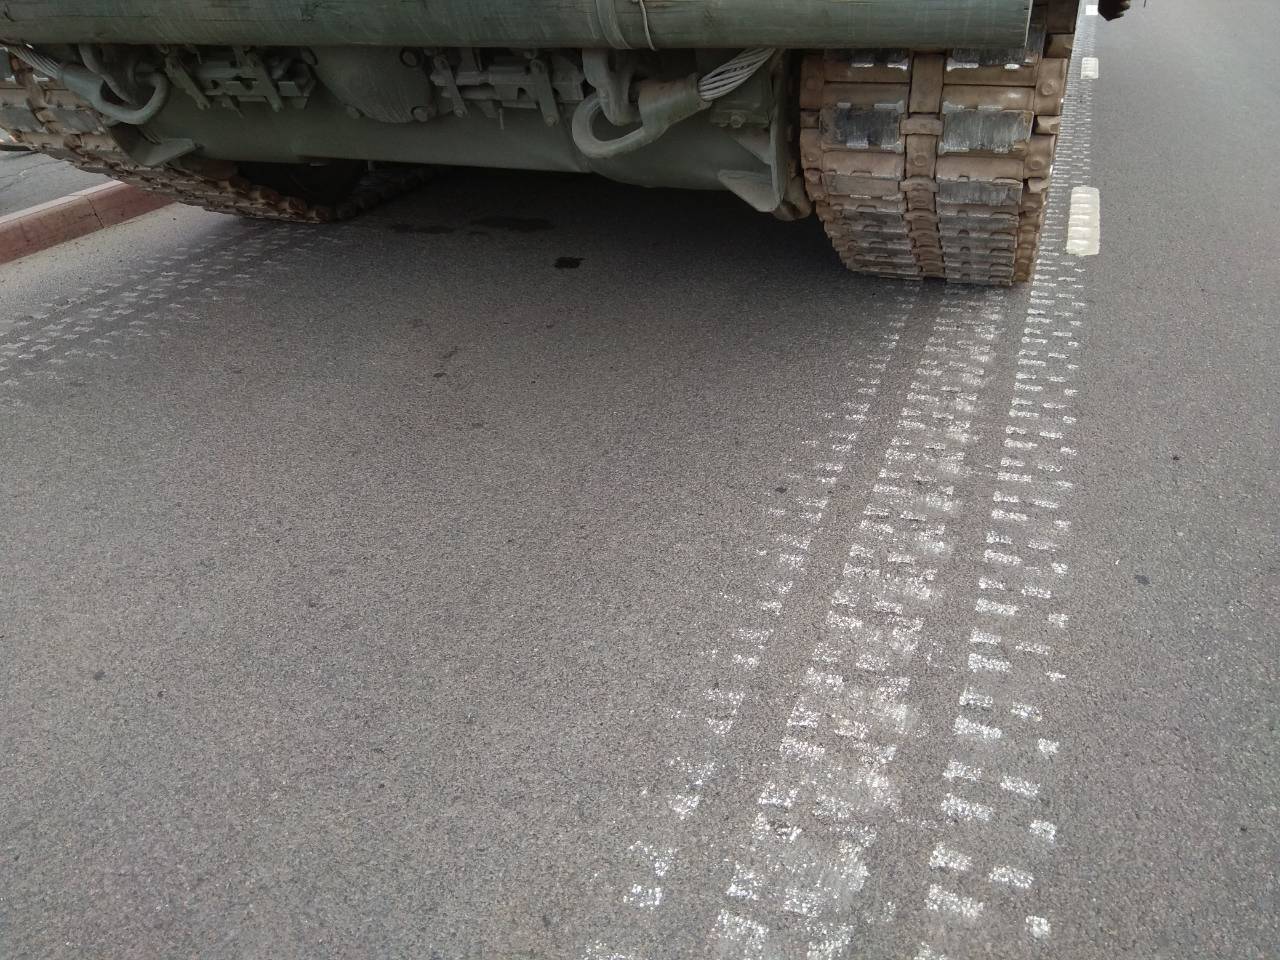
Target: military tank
x=920 y=132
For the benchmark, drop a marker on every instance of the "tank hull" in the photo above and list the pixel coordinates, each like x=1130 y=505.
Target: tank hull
x=690 y=156
x=922 y=132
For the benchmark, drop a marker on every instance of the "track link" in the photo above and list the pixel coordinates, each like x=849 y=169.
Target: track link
x=50 y=119
x=937 y=164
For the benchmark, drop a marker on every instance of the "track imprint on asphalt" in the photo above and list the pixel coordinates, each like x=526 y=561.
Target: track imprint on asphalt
x=98 y=322
x=902 y=813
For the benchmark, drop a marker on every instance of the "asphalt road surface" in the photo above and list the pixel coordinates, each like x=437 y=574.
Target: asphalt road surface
x=546 y=568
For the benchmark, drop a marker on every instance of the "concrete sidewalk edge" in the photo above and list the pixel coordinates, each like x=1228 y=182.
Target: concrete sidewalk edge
x=49 y=224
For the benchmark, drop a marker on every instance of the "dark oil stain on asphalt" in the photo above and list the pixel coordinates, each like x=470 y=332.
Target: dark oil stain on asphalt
x=568 y=263
x=430 y=228
x=514 y=224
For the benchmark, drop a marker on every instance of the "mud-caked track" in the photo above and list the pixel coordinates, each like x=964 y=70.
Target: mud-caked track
x=40 y=114
x=937 y=164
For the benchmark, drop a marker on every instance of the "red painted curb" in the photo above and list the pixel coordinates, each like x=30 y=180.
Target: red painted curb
x=48 y=224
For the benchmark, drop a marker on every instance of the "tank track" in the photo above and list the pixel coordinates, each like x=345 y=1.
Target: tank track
x=937 y=164
x=50 y=119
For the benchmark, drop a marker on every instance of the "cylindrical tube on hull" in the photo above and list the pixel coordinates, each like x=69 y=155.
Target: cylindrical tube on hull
x=527 y=23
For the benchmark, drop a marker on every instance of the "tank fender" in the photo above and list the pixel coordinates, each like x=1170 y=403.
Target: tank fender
x=621 y=24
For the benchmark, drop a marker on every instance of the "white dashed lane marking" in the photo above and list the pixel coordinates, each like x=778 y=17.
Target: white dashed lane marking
x=1084 y=229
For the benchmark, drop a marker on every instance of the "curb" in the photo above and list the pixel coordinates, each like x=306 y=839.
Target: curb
x=86 y=211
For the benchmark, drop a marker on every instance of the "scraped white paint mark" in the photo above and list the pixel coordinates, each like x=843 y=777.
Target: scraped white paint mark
x=983 y=605
x=747 y=934
x=1038 y=927
x=800 y=750
x=944 y=901
x=745 y=884
x=963 y=771
x=660 y=858
x=1043 y=829
x=1089 y=68
x=959 y=808
x=1020 y=786
x=772 y=795
x=980 y=664
x=801 y=716
x=972 y=698
x=1011 y=876
x=1084 y=223
x=945 y=858
x=1026 y=711
x=598 y=951
x=647 y=898
x=995 y=556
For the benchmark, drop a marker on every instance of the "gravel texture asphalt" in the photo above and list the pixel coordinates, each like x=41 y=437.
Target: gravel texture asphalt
x=541 y=567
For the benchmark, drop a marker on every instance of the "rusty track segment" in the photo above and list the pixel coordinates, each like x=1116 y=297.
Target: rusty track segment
x=937 y=164
x=48 y=118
